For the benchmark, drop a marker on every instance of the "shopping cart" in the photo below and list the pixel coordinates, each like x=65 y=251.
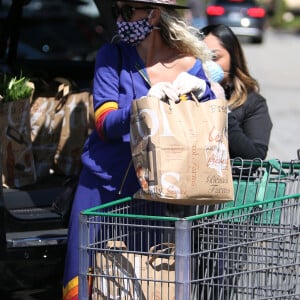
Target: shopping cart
x=244 y=249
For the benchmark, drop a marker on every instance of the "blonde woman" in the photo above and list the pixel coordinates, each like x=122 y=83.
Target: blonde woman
x=155 y=48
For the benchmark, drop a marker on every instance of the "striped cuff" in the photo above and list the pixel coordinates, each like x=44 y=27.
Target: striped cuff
x=100 y=115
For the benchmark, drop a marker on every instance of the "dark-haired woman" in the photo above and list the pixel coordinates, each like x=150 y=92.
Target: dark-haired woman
x=249 y=122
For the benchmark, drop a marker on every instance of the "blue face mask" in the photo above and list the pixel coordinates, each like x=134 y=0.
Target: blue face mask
x=134 y=32
x=215 y=71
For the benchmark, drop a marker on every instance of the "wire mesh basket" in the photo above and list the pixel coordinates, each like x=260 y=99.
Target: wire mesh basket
x=244 y=249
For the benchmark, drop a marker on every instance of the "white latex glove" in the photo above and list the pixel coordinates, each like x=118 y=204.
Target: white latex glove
x=163 y=91
x=186 y=83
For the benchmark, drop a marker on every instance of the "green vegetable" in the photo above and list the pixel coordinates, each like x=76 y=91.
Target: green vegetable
x=14 y=89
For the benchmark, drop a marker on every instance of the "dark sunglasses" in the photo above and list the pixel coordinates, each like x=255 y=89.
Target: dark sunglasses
x=126 y=11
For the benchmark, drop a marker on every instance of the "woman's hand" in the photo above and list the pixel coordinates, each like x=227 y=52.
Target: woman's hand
x=164 y=91
x=186 y=83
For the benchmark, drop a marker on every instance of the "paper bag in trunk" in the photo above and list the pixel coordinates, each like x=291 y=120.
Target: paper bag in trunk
x=125 y=275
x=47 y=115
x=180 y=151
x=17 y=158
x=77 y=123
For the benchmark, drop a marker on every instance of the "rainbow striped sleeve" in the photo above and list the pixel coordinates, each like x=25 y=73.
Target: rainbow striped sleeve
x=100 y=114
x=70 y=292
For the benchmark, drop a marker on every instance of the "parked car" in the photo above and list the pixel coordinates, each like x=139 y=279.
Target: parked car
x=40 y=31
x=269 y=5
x=245 y=17
x=43 y=39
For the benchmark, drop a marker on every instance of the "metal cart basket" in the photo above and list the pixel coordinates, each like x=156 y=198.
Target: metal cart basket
x=245 y=249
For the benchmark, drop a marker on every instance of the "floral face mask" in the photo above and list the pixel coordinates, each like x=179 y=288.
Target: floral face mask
x=134 y=32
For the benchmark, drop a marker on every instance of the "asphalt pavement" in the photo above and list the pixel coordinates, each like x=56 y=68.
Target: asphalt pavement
x=276 y=66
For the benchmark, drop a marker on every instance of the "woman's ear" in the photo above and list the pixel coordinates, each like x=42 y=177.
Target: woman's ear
x=154 y=16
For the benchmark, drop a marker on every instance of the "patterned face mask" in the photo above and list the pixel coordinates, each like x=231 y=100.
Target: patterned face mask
x=134 y=32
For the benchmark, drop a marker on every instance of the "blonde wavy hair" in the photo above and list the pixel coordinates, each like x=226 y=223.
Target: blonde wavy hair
x=184 y=38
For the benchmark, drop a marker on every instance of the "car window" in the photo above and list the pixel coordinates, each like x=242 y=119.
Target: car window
x=57 y=30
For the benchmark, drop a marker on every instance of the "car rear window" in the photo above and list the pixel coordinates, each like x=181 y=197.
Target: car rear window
x=57 y=30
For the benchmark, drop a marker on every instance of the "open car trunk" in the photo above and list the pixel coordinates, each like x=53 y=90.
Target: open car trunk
x=38 y=40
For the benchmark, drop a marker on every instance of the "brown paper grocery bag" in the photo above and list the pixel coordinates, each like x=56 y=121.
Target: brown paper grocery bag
x=180 y=151
x=46 y=120
x=125 y=275
x=77 y=123
x=18 y=168
x=61 y=119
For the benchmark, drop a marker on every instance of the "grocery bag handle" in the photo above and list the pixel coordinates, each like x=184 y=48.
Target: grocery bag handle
x=195 y=98
x=64 y=90
x=116 y=244
x=163 y=248
x=154 y=249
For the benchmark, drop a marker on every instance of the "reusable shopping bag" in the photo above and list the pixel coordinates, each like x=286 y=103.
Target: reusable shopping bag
x=128 y=275
x=180 y=151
